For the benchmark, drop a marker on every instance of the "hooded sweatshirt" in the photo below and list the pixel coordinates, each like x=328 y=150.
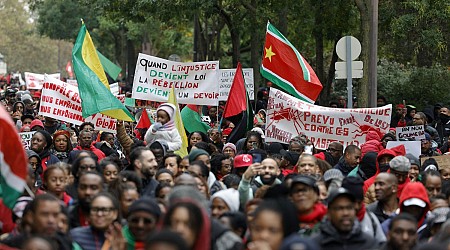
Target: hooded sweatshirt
x=415 y=190
x=371 y=180
x=372 y=144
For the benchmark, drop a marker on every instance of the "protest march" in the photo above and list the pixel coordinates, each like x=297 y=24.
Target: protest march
x=195 y=156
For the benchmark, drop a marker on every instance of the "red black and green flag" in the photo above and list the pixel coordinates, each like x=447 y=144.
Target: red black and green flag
x=238 y=108
x=283 y=65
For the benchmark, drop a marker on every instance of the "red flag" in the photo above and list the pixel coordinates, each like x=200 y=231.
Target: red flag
x=144 y=122
x=238 y=109
x=236 y=102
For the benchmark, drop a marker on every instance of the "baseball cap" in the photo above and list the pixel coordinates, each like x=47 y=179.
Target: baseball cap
x=306 y=180
x=400 y=164
x=290 y=156
x=414 y=202
x=243 y=160
x=338 y=193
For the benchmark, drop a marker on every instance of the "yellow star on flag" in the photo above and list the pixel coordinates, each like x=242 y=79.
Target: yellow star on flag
x=269 y=53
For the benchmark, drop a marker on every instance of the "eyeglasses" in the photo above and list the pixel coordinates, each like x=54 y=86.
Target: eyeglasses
x=104 y=210
x=137 y=220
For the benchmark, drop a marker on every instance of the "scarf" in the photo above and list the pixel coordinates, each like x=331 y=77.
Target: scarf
x=60 y=155
x=309 y=220
x=361 y=211
x=170 y=125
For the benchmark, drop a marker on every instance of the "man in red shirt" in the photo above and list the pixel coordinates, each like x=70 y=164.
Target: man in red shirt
x=85 y=143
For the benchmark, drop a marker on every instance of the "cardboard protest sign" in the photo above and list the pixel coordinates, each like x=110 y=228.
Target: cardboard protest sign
x=196 y=82
x=410 y=132
x=288 y=117
x=36 y=81
x=61 y=101
x=26 y=139
x=226 y=79
x=443 y=161
x=411 y=147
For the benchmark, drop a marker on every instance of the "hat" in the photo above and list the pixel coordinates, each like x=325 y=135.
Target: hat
x=290 y=156
x=37 y=94
x=427 y=136
x=339 y=192
x=25 y=116
x=196 y=153
x=331 y=174
x=168 y=108
x=230 y=197
x=36 y=122
x=400 y=164
x=306 y=180
x=229 y=145
x=26 y=98
x=145 y=204
x=274 y=148
x=20 y=205
x=260 y=131
x=242 y=161
x=414 y=202
x=413 y=160
x=295 y=241
x=355 y=186
x=439 y=215
x=401 y=106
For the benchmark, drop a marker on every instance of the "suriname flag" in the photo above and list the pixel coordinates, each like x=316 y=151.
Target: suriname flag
x=283 y=65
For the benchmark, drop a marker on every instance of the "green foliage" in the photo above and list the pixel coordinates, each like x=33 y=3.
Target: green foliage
x=23 y=49
x=415 y=31
x=419 y=86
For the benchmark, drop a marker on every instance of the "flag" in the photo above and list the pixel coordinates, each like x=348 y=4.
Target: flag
x=13 y=161
x=238 y=109
x=92 y=82
x=192 y=120
x=179 y=124
x=110 y=68
x=69 y=69
x=283 y=65
x=144 y=122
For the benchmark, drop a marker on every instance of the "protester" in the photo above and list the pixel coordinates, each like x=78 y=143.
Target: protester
x=350 y=159
x=172 y=162
x=41 y=143
x=61 y=145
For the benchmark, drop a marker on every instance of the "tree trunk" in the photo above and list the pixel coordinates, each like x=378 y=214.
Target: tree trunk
x=318 y=37
x=328 y=84
x=255 y=48
x=363 y=87
x=131 y=58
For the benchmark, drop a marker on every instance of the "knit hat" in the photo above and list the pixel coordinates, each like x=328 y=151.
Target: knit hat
x=274 y=148
x=243 y=160
x=413 y=160
x=145 y=204
x=401 y=106
x=169 y=108
x=230 y=197
x=295 y=241
x=369 y=164
x=26 y=98
x=20 y=205
x=229 y=145
x=36 y=122
x=355 y=186
x=400 y=164
x=196 y=153
x=427 y=136
x=290 y=156
x=331 y=174
x=306 y=180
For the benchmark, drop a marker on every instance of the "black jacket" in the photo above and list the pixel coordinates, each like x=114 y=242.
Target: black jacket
x=329 y=238
x=343 y=166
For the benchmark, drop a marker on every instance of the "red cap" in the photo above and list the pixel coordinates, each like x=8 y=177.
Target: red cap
x=400 y=106
x=36 y=122
x=37 y=94
x=242 y=161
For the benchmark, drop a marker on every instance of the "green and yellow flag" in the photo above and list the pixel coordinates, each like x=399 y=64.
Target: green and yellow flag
x=92 y=82
x=179 y=124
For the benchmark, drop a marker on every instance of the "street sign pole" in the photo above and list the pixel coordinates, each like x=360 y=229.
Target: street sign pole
x=348 y=57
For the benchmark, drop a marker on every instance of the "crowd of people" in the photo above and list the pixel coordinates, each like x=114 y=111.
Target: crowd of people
x=88 y=189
